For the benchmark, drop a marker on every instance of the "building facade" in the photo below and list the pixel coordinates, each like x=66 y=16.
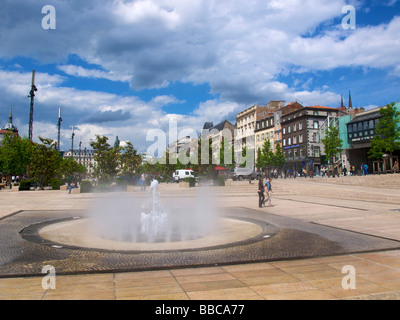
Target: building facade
x=84 y=157
x=300 y=142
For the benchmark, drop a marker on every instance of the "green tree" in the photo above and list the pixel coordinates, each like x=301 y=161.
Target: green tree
x=108 y=159
x=15 y=154
x=279 y=158
x=70 y=168
x=387 y=138
x=332 y=143
x=45 y=161
x=265 y=156
x=130 y=160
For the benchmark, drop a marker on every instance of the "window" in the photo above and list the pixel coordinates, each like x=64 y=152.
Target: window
x=371 y=124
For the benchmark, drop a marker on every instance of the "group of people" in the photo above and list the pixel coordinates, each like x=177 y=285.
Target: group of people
x=267 y=187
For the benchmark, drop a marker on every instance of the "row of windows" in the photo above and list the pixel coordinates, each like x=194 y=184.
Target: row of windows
x=266 y=136
x=295 y=127
x=265 y=123
x=361 y=134
x=294 y=140
x=362 y=126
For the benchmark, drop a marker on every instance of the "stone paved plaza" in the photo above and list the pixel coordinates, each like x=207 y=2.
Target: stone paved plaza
x=324 y=225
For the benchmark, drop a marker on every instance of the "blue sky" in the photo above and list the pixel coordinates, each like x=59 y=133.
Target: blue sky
x=124 y=67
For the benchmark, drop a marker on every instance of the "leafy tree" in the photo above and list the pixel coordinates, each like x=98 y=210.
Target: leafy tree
x=45 y=161
x=15 y=154
x=130 y=160
x=387 y=138
x=265 y=155
x=332 y=143
x=279 y=158
x=70 y=168
x=108 y=159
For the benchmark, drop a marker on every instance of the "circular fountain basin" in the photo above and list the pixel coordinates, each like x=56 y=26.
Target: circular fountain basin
x=229 y=231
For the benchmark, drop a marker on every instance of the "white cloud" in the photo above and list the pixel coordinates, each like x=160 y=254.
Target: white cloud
x=239 y=48
x=78 y=71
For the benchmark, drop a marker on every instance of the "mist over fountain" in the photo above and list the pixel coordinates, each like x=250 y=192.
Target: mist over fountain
x=145 y=218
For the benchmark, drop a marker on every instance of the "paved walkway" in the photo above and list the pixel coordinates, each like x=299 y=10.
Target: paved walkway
x=377 y=274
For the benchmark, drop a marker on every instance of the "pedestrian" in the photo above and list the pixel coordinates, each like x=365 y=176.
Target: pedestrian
x=261 y=190
x=143 y=182
x=268 y=189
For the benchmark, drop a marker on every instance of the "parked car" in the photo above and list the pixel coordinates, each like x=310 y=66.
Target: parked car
x=244 y=174
x=180 y=175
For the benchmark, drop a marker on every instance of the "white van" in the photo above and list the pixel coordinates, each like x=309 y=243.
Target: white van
x=180 y=175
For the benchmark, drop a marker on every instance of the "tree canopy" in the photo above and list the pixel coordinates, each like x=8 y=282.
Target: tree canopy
x=387 y=133
x=332 y=143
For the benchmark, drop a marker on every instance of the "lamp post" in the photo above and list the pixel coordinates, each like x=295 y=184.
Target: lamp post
x=32 y=96
x=59 y=129
x=72 y=143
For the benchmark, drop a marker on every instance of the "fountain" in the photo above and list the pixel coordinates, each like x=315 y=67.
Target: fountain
x=143 y=222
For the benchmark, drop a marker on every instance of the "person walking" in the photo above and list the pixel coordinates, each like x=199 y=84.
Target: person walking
x=268 y=189
x=261 y=190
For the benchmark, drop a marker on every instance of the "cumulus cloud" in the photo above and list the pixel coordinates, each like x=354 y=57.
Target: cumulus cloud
x=239 y=48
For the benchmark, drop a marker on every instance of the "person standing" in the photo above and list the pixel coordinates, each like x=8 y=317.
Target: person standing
x=143 y=182
x=261 y=190
x=268 y=189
